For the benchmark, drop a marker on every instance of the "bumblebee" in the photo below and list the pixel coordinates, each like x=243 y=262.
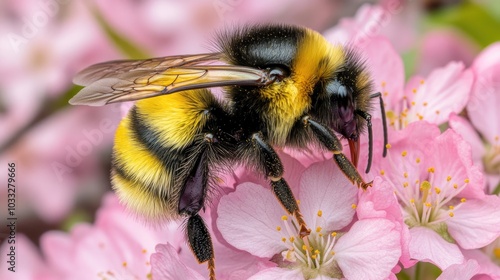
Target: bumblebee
x=283 y=86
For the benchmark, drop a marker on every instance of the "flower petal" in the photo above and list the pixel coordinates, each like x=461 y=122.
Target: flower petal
x=427 y=245
x=460 y=271
x=464 y=128
x=278 y=273
x=165 y=264
x=476 y=223
x=369 y=250
x=324 y=187
x=248 y=219
x=445 y=90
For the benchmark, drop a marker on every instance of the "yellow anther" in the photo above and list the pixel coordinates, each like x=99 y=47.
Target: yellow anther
x=382 y=172
x=422 y=82
x=496 y=252
x=405 y=184
x=313 y=257
x=388 y=146
x=404 y=153
x=332 y=253
x=316 y=252
x=386 y=93
x=320 y=213
x=420 y=117
x=428 y=204
x=284 y=218
x=318 y=229
x=405 y=174
x=298 y=202
x=283 y=239
x=124 y=264
x=437 y=112
x=354 y=206
x=417 y=160
x=425 y=104
x=412 y=200
x=451 y=207
x=413 y=103
x=292 y=239
x=278 y=228
x=448 y=178
x=451 y=214
x=437 y=190
x=463 y=200
x=144 y=251
x=414 y=90
x=383 y=83
x=431 y=170
x=333 y=234
x=466 y=181
x=455 y=186
x=304 y=247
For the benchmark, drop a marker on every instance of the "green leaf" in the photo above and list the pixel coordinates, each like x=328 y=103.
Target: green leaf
x=472 y=19
x=122 y=43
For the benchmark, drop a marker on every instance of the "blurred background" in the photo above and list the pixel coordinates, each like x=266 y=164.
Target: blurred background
x=62 y=152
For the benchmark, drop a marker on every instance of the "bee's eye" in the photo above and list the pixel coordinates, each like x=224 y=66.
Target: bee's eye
x=278 y=72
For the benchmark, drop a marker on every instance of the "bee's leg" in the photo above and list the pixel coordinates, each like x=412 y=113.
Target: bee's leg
x=332 y=143
x=191 y=202
x=274 y=172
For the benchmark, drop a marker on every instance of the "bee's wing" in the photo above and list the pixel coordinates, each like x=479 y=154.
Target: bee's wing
x=128 y=80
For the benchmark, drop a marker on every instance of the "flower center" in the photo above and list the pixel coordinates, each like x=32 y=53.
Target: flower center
x=314 y=254
x=428 y=198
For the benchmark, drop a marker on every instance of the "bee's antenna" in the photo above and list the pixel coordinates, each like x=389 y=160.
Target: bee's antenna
x=368 y=119
x=384 y=121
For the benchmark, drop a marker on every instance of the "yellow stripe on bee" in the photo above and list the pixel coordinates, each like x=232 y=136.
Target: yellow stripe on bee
x=290 y=98
x=136 y=161
x=139 y=200
x=177 y=117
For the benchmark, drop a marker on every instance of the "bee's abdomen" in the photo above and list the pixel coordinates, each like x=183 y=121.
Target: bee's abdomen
x=154 y=148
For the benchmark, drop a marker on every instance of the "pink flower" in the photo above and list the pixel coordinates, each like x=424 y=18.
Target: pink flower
x=440 y=193
x=27 y=264
x=339 y=245
x=434 y=98
x=483 y=109
x=117 y=246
